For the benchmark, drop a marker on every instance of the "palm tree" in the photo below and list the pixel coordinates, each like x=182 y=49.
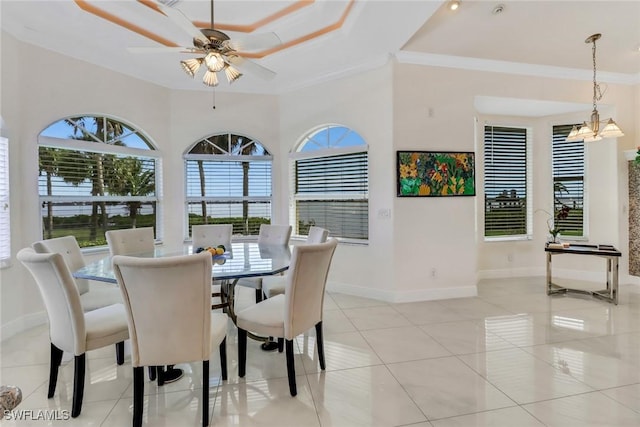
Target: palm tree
x=245 y=147
x=48 y=164
x=106 y=131
x=128 y=177
x=215 y=144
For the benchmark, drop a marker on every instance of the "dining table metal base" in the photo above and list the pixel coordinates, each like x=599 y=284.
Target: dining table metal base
x=228 y=300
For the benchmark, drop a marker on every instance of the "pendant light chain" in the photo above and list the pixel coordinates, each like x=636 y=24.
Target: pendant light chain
x=597 y=94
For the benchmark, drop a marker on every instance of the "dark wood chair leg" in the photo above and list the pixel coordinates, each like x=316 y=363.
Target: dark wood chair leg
x=280 y=345
x=223 y=359
x=242 y=352
x=138 y=395
x=56 y=359
x=120 y=352
x=258 y=295
x=320 y=344
x=152 y=373
x=205 y=392
x=160 y=375
x=78 y=385
x=291 y=369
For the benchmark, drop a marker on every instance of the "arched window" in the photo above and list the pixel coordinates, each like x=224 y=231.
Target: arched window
x=330 y=183
x=228 y=181
x=95 y=174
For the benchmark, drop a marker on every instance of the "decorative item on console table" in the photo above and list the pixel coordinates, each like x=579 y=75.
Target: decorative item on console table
x=553 y=222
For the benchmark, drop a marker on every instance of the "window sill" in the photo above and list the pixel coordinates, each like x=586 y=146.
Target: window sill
x=507 y=239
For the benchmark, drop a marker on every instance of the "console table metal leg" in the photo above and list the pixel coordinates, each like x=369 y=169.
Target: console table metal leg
x=548 y=273
x=615 y=281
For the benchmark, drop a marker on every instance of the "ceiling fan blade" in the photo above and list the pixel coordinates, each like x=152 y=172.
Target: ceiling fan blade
x=182 y=21
x=250 y=67
x=164 y=49
x=253 y=42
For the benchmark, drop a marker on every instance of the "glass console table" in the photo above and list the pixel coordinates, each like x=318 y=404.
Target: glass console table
x=608 y=252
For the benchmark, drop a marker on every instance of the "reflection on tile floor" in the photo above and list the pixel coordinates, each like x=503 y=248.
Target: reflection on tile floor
x=510 y=357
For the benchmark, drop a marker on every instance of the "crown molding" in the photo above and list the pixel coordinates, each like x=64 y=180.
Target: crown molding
x=505 y=67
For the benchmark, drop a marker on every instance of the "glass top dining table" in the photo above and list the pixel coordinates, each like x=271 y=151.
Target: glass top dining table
x=243 y=259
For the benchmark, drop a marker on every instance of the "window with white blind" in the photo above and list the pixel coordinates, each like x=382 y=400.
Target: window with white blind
x=228 y=181
x=95 y=174
x=507 y=210
x=5 y=227
x=568 y=181
x=330 y=183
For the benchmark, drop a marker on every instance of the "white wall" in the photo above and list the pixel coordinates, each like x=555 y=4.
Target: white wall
x=434 y=237
x=439 y=233
x=364 y=104
x=390 y=107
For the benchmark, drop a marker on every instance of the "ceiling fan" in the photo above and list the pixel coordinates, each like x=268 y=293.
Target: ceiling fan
x=219 y=52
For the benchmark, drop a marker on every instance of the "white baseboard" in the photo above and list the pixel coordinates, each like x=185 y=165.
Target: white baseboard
x=403 y=296
x=587 y=276
x=508 y=273
x=629 y=279
x=22 y=324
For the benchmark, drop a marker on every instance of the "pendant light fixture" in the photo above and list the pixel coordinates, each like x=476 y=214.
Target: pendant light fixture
x=590 y=130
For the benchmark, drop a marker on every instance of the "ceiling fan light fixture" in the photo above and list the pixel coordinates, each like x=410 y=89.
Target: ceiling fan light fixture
x=214 y=61
x=191 y=66
x=232 y=73
x=210 y=78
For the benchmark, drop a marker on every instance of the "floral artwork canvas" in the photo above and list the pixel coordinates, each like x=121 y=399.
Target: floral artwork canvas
x=432 y=173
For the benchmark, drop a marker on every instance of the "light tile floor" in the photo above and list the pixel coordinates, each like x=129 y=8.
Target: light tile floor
x=510 y=357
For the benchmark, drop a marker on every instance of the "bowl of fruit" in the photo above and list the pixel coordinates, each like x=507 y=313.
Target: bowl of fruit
x=217 y=252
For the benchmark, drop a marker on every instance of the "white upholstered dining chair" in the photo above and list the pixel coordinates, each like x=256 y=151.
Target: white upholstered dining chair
x=269 y=234
x=294 y=312
x=168 y=309
x=205 y=235
x=211 y=235
x=70 y=328
x=92 y=295
x=274 y=285
x=130 y=240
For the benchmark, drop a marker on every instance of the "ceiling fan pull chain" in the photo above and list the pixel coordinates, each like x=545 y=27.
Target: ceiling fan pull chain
x=214 y=97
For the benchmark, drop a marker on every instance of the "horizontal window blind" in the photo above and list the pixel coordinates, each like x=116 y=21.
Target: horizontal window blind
x=505 y=181
x=332 y=192
x=334 y=174
x=568 y=180
x=5 y=226
x=95 y=174
x=345 y=218
x=231 y=212
x=88 y=221
x=228 y=181
x=76 y=174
